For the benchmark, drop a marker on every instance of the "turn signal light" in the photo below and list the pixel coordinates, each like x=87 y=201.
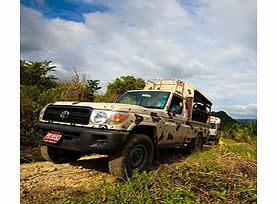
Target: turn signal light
x=119 y=117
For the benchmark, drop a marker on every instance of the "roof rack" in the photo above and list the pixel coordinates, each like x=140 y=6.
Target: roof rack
x=184 y=88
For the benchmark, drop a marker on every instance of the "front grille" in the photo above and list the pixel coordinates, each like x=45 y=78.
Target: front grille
x=77 y=114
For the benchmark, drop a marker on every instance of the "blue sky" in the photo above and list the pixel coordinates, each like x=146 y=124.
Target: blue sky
x=210 y=43
x=64 y=9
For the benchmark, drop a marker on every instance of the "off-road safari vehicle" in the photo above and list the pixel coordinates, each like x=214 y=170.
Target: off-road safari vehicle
x=215 y=128
x=165 y=114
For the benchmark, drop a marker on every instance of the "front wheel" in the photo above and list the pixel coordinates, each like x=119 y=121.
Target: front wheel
x=136 y=154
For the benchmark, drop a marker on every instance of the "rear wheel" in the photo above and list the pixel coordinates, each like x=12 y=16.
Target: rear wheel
x=137 y=154
x=58 y=155
x=196 y=144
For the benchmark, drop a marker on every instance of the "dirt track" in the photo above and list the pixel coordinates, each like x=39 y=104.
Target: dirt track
x=41 y=180
x=45 y=182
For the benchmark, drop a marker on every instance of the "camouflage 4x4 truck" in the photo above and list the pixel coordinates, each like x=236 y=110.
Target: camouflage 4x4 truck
x=215 y=128
x=165 y=114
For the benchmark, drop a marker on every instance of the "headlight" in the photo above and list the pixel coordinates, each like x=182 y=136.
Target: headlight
x=42 y=112
x=100 y=116
x=107 y=117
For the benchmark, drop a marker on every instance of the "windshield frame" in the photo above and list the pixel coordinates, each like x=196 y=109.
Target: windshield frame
x=147 y=91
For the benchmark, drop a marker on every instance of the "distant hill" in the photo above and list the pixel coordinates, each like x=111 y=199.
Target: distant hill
x=246 y=121
x=225 y=118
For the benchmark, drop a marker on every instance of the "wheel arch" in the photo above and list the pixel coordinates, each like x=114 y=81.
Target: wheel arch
x=149 y=131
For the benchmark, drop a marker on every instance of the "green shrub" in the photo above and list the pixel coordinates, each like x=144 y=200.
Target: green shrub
x=240 y=133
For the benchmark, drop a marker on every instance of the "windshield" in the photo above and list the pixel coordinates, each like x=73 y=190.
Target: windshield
x=213 y=126
x=147 y=99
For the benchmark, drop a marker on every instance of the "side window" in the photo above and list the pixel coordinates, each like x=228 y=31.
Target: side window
x=176 y=105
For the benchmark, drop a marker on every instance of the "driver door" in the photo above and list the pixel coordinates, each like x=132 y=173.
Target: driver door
x=176 y=128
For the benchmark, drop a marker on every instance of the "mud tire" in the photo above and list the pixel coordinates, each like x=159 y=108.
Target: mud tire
x=196 y=144
x=136 y=154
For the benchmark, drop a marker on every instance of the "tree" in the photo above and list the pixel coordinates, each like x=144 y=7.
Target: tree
x=37 y=74
x=92 y=87
x=73 y=90
x=121 y=85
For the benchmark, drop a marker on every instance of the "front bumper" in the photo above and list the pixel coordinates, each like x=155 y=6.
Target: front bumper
x=82 y=139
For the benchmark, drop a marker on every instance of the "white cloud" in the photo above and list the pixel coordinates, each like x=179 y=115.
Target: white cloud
x=213 y=48
x=234 y=20
x=56 y=40
x=241 y=111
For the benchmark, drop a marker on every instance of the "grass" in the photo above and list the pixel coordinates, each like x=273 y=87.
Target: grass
x=224 y=173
